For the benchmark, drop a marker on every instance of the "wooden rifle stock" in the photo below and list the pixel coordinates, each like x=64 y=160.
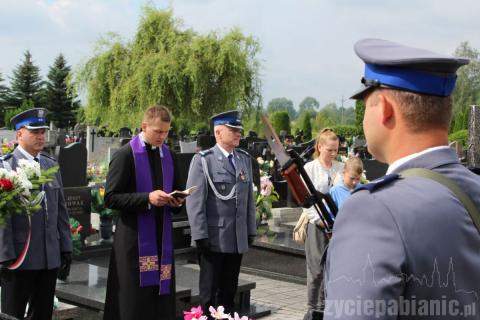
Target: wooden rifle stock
x=294 y=180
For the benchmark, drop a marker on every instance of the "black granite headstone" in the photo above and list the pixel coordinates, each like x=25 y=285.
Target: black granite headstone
x=125 y=132
x=78 y=201
x=73 y=165
x=374 y=169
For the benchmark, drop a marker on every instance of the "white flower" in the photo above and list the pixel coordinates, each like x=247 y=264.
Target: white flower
x=31 y=168
x=218 y=314
x=237 y=317
x=260 y=160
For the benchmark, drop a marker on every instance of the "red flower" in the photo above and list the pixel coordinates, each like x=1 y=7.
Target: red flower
x=80 y=228
x=6 y=184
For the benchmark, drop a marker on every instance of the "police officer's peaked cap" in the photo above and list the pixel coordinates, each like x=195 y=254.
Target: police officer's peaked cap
x=230 y=119
x=393 y=65
x=31 y=119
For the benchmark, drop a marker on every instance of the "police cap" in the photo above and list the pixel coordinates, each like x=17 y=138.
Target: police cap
x=231 y=119
x=31 y=119
x=393 y=65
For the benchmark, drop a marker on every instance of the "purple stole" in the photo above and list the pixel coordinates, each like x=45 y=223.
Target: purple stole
x=151 y=273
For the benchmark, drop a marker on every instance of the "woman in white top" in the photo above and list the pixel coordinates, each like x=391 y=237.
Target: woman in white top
x=324 y=171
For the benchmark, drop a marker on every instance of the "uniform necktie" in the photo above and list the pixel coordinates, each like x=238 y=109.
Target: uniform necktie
x=230 y=159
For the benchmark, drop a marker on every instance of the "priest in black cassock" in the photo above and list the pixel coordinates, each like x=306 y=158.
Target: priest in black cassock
x=141 y=279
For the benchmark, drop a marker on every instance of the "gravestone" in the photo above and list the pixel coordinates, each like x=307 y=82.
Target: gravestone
x=73 y=167
x=124 y=132
x=374 y=169
x=473 y=154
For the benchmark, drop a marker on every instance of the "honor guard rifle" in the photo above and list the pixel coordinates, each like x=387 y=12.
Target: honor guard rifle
x=299 y=183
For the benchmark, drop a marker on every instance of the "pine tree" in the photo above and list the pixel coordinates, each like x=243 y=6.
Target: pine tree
x=3 y=100
x=26 y=84
x=60 y=101
x=307 y=126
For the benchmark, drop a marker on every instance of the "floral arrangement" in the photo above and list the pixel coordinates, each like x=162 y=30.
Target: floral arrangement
x=219 y=313
x=266 y=167
x=267 y=194
x=20 y=189
x=96 y=172
x=98 y=203
x=7 y=147
x=75 y=229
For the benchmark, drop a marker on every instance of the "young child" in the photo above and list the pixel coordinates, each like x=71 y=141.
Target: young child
x=352 y=173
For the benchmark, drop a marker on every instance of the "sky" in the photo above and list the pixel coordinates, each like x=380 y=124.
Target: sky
x=306 y=45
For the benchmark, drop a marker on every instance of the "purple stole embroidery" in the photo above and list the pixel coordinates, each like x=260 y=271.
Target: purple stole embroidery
x=151 y=273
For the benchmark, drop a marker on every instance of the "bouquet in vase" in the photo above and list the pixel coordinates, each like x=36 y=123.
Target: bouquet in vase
x=20 y=189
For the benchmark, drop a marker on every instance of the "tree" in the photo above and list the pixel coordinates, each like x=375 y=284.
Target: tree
x=26 y=84
x=305 y=124
x=359 y=113
x=467 y=89
x=282 y=104
x=195 y=75
x=60 y=101
x=280 y=121
x=308 y=104
x=3 y=100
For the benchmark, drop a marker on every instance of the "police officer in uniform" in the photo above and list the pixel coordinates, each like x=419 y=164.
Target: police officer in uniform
x=403 y=244
x=50 y=243
x=221 y=212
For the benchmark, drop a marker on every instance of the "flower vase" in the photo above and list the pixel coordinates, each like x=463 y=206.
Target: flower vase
x=106 y=226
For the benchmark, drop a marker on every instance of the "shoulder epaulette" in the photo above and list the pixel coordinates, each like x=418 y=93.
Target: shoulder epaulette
x=203 y=153
x=242 y=151
x=6 y=157
x=46 y=155
x=378 y=183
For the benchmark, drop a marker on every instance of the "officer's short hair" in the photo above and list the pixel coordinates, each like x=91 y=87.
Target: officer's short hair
x=423 y=112
x=157 y=112
x=323 y=136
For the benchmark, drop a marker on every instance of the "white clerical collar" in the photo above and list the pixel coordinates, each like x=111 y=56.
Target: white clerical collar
x=142 y=139
x=224 y=152
x=28 y=155
x=397 y=163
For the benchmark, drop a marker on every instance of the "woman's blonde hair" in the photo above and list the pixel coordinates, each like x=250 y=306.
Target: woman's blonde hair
x=326 y=134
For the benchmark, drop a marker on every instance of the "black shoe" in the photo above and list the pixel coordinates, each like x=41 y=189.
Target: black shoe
x=317 y=315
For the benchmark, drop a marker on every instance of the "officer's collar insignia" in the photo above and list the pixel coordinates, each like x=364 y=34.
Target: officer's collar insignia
x=375 y=184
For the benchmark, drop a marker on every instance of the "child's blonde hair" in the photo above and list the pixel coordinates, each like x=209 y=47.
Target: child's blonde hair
x=354 y=164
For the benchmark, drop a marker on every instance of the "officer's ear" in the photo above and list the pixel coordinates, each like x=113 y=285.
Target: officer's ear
x=387 y=110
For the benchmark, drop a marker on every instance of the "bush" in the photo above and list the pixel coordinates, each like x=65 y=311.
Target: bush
x=281 y=121
x=347 y=131
x=460 y=136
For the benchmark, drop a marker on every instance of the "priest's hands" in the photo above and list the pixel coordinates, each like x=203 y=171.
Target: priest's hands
x=176 y=202
x=159 y=198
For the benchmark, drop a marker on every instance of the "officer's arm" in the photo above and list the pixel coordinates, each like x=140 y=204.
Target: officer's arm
x=365 y=259
x=63 y=224
x=251 y=223
x=197 y=201
x=7 y=250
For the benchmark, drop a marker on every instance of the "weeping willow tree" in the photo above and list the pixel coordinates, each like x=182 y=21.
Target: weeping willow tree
x=195 y=75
